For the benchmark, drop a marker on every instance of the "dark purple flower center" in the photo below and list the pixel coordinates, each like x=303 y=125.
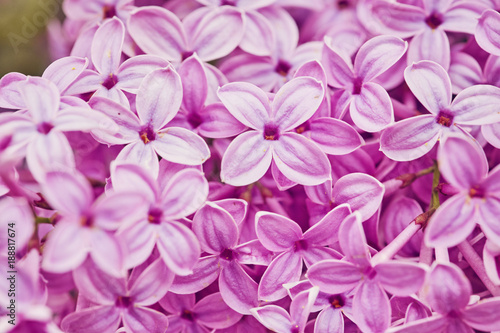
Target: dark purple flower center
x=194 y=119
x=370 y=273
x=337 y=301
x=186 y=54
x=227 y=254
x=187 y=315
x=357 y=85
x=5 y=142
x=228 y=3
x=434 y=20
x=303 y=128
x=476 y=192
x=343 y=4
x=147 y=134
x=444 y=118
x=123 y=301
x=86 y=221
x=155 y=215
x=108 y=12
x=283 y=67
x=44 y=127
x=271 y=132
x=300 y=245
x=110 y=81
x=454 y=314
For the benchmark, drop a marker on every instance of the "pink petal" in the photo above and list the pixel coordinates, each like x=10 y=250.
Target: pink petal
x=159 y=97
x=300 y=160
x=378 y=55
x=140 y=319
x=140 y=154
x=273 y=317
x=213 y=312
x=69 y=193
x=217 y=122
x=152 y=284
x=285 y=268
x=362 y=192
x=296 y=102
x=476 y=105
x=334 y=276
x=133 y=70
x=215 y=229
x=487 y=32
x=410 y=138
x=84 y=120
x=285 y=29
x=454 y=158
x=491 y=133
x=463 y=16
x=246 y=160
x=483 y=315
x=431 y=44
x=340 y=101
x=464 y=71
x=431 y=324
x=236 y=207
x=175 y=303
x=41 y=97
x=320 y=194
x=400 y=278
x=194 y=84
x=330 y=320
x=259 y=35
x=10 y=95
x=452 y=222
x=313 y=69
x=352 y=241
x=247 y=103
x=88 y=81
x=107 y=252
x=301 y=306
x=140 y=240
x=277 y=233
x=159 y=32
x=253 y=253
x=133 y=178
x=488 y=212
x=64 y=71
x=338 y=71
x=112 y=211
x=205 y=271
x=430 y=83
x=335 y=136
x=371 y=309
x=107 y=46
x=237 y=288
x=282 y=183
x=398 y=19
x=182 y=146
x=372 y=110
x=315 y=254
x=178 y=247
x=259 y=71
x=93 y=320
x=325 y=232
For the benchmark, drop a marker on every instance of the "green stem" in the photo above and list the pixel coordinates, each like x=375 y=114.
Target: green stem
x=435 y=192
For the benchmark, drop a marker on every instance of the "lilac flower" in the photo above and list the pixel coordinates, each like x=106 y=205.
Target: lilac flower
x=371 y=309
x=412 y=138
x=448 y=292
x=369 y=104
x=427 y=21
x=209 y=313
x=146 y=134
x=218 y=234
x=112 y=79
x=271 y=139
x=18 y=212
x=212 y=34
x=478 y=200
x=284 y=237
x=112 y=300
x=170 y=198
x=487 y=33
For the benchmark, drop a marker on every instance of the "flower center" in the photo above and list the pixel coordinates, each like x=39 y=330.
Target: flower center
x=187 y=315
x=186 y=54
x=147 y=134
x=271 y=132
x=476 y=192
x=434 y=20
x=228 y=3
x=342 y=4
x=357 y=85
x=123 y=301
x=108 y=12
x=86 y=221
x=155 y=215
x=282 y=68
x=227 y=254
x=337 y=301
x=300 y=245
x=445 y=118
x=110 y=81
x=44 y=127
x=194 y=119
x=303 y=128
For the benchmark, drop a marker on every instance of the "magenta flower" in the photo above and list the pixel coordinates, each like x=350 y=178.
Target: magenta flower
x=284 y=237
x=271 y=139
x=173 y=197
x=427 y=21
x=189 y=317
x=478 y=199
x=146 y=134
x=370 y=106
x=112 y=300
x=371 y=308
x=413 y=137
x=448 y=292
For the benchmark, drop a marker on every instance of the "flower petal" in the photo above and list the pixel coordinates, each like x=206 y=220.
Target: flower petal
x=273 y=317
x=400 y=278
x=259 y=35
x=213 y=312
x=107 y=46
x=205 y=271
x=194 y=84
x=402 y=20
x=487 y=32
x=133 y=70
x=140 y=154
x=325 y=232
x=217 y=122
x=285 y=268
x=483 y=315
x=93 y=320
x=372 y=109
x=371 y=308
x=301 y=306
x=152 y=284
x=41 y=97
x=64 y=71
x=237 y=288
x=182 y=146
x=339 y=72
x=431 y=44
x=334 y=276
x=277 y=233
x=352 y=241
x=476 y=105
x=107 y=252
x=488 y=212
x=139 y=319
x=335 y=136
x=329 y=320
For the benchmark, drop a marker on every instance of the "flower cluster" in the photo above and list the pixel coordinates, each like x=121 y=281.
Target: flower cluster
x=234 y=166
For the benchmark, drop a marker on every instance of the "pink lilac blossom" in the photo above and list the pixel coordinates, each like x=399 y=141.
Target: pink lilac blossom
x=237 y=166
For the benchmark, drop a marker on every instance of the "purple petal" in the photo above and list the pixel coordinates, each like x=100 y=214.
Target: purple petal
x=334 y=276
x=352 y=241
x=452 y=222
x=282 y=182
x=313 y=69
x=277 y=233
x=215 y=228
x=69 y=193
x=217 y=122
x=158 y=31
x=178 y=247
x=371 y=308
x=247 y=103
x=464 y=71
x=483 y=315
x=182 y=146
x=10 y=95
x=314 y=254
x=340 y=101
x=431 y=44
x=107 y=46
x=175 y=303
x=93 y=320
x=431 y=324
x=273 y=317
x=41 y=97
x=64 y=71
x=116 y=209
x=488 y=212
x=152 y=284
x=88 y=81
x=194 y=84
x=487 y=32
x=213 y=312
x=253 y=253
x=476 y=105
x=448 y=288
x=400 y=278
x=491 y=133
x=133 y=70
x=285 y=29
x=205 y=271
x=402 y=20
x=139 y=319
x=296 y=102
x=140 y=240
x=325 y=232
x=236 y=207
x=320 y=194
x=300 y=160
x=338 y=71
x=410 y=138
x=335 y=136
x=330 y=320
x=454 y=158
x=259 y=35
x=107 y=252
x=301 y=306
x=159 y=97
x=430 y=83
x=362 y=192
x=372 y=109
x=256 y=70
x=378 y=55
x=237 y=288
x=133 y=178
x=285 y=268
x=246 y=160
x=140 y=154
